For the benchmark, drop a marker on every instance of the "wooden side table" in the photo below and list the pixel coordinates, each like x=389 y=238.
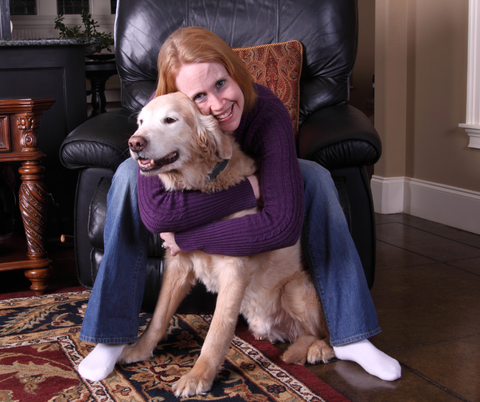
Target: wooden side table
x=19 y=124
x=98 y=72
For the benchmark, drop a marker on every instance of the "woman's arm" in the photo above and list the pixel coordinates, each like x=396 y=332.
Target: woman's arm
x=175 y=211
x=269 y=138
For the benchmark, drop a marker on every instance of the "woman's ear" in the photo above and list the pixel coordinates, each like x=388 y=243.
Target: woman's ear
x=223 y=142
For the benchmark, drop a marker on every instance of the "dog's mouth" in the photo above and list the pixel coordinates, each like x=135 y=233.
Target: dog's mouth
x=147 y=165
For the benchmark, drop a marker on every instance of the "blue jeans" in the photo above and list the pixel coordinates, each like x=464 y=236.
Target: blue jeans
x=113 y=309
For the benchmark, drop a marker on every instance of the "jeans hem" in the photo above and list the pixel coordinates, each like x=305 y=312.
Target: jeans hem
x=356 y=338
x=108 y=340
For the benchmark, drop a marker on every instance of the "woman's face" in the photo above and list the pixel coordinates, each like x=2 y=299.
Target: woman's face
x=214 y=92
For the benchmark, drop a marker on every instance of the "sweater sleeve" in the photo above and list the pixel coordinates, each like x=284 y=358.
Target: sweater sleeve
x=175 y=211
x=269 y=138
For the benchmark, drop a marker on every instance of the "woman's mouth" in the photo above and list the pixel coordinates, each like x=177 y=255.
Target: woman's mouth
x=225 y=116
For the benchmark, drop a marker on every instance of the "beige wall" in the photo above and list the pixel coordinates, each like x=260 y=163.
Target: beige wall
x=421 y=70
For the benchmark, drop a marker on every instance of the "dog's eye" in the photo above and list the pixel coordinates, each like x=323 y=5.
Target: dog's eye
x=169 y=120
x=140 y=122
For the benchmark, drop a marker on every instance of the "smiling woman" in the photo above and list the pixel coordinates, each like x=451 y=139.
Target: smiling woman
x=205 y=47
x=213 y=91
x=292 y=189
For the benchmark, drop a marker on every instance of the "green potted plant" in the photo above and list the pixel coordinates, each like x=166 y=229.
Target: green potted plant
x=101 y=40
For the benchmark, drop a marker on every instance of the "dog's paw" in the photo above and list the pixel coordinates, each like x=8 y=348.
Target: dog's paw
x=308 y=349
x=191 y=384
x=258 y=336
x=320 y=351
x=134 y=353
x=294 y=356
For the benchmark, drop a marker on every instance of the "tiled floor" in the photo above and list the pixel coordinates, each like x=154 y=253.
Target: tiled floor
x=427 y=295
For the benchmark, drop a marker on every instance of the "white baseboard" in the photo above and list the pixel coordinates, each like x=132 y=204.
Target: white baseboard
x=452 y=206
x=388 y=194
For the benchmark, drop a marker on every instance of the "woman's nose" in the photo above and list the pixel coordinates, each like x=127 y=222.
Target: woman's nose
x=215 y=104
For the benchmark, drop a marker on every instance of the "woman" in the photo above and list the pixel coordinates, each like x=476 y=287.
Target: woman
x=198 y=63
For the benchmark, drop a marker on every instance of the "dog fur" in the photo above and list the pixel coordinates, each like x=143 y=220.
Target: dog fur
x=272 y=290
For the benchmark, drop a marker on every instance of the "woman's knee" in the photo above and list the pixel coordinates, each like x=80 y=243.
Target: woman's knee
x=126 y=172
x=315 y=175
x=124 y=183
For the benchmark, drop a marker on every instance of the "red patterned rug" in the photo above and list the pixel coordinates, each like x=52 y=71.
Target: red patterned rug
x=40 y=350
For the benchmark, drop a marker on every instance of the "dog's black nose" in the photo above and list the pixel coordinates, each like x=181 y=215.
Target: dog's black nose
x=136 y=143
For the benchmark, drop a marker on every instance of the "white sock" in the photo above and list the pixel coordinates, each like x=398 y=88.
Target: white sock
x=373 y=360
x=100 y=362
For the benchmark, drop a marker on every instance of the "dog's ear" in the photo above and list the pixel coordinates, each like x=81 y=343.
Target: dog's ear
x=208 y=129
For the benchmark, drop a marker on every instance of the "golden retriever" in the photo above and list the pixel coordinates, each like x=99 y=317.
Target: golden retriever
x=272 y=290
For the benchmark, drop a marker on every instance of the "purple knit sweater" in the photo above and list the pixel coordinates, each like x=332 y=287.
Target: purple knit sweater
x=266 y=134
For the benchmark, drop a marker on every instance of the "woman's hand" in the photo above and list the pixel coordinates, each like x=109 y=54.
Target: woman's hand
x=169 y=242
x=255 y=183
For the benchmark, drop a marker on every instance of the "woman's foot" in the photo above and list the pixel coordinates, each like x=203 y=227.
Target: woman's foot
x=100 y=362
x=373 y=360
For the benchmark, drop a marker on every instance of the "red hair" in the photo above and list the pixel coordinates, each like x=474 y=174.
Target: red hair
x=198 y=45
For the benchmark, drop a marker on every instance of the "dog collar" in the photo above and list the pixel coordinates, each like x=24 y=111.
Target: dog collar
x=218 y=169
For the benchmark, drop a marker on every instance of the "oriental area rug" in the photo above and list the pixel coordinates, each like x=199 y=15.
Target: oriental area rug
x=40 y=351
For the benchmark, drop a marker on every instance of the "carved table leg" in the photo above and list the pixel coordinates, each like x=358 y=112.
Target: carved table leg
x=33 y=207
x=19 y=143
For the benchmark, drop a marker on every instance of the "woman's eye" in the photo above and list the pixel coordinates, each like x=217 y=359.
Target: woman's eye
x=220 y=83
x=198 y=97
x=169 y=120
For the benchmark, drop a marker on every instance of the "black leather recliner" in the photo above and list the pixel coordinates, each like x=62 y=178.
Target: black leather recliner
x=332 y=132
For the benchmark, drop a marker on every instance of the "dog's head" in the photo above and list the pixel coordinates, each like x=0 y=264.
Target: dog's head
x=172 y=132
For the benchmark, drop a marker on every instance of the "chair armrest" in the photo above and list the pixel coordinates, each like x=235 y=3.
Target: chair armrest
x=339 y=136
x=100 y=141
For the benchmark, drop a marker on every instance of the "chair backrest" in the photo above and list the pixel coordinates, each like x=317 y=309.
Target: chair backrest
x=327 y=30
